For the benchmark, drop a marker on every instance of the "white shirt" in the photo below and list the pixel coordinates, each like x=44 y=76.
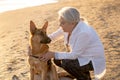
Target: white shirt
x=85 y=46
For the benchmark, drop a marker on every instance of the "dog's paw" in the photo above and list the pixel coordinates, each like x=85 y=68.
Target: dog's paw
x=14 y=77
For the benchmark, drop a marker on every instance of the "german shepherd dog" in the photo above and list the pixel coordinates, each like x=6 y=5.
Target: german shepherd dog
x=40 y=70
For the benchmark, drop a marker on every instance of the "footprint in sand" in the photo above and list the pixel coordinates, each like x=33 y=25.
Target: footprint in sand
x=15 y=77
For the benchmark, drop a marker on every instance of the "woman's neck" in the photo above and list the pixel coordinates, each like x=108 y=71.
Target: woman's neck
x=74 y=25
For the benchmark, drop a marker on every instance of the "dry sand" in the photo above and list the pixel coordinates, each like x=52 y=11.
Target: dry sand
x=103 y=15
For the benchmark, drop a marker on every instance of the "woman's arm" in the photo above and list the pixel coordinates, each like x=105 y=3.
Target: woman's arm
x=80 y=44
x=56 y=35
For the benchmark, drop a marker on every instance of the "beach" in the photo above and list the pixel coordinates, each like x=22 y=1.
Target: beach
x=102 y=15
x=8 y=5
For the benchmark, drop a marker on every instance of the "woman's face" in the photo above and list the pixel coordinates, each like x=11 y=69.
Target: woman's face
x=66 y=26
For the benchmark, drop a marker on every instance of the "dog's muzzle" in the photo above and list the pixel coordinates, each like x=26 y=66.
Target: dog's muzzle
x=45 y=41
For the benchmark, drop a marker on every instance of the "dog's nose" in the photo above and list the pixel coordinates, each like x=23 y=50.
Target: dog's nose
x=49 y=40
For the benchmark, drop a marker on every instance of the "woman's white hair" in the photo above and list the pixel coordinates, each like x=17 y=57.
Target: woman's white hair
x=69 y=14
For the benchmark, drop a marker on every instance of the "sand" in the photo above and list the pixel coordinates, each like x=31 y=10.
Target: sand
x=103 y=15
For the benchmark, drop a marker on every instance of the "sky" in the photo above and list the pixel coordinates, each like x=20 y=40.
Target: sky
x=6 y=5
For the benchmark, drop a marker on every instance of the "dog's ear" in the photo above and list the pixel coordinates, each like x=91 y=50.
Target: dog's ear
x=32 y=27
x=45 y=26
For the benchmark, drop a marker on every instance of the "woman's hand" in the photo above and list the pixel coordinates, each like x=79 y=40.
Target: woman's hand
x=47 y=56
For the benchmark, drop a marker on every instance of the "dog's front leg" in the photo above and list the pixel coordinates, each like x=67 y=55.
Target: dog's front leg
x=31 y=74
x=31 y=69
x=44 y=74
x=53 y=73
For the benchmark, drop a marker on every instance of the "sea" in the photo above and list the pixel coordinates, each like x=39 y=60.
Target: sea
x=7 y=5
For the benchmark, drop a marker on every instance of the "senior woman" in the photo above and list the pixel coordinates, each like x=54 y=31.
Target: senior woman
x=86 y=51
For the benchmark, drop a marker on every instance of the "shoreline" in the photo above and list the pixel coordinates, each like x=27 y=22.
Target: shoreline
x=22 y=6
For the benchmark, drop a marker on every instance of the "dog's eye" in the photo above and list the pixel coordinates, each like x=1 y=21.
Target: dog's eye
x=45 y=32
x=41 y=33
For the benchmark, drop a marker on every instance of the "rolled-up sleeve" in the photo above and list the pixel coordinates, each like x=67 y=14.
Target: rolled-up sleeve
x=79 y=45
